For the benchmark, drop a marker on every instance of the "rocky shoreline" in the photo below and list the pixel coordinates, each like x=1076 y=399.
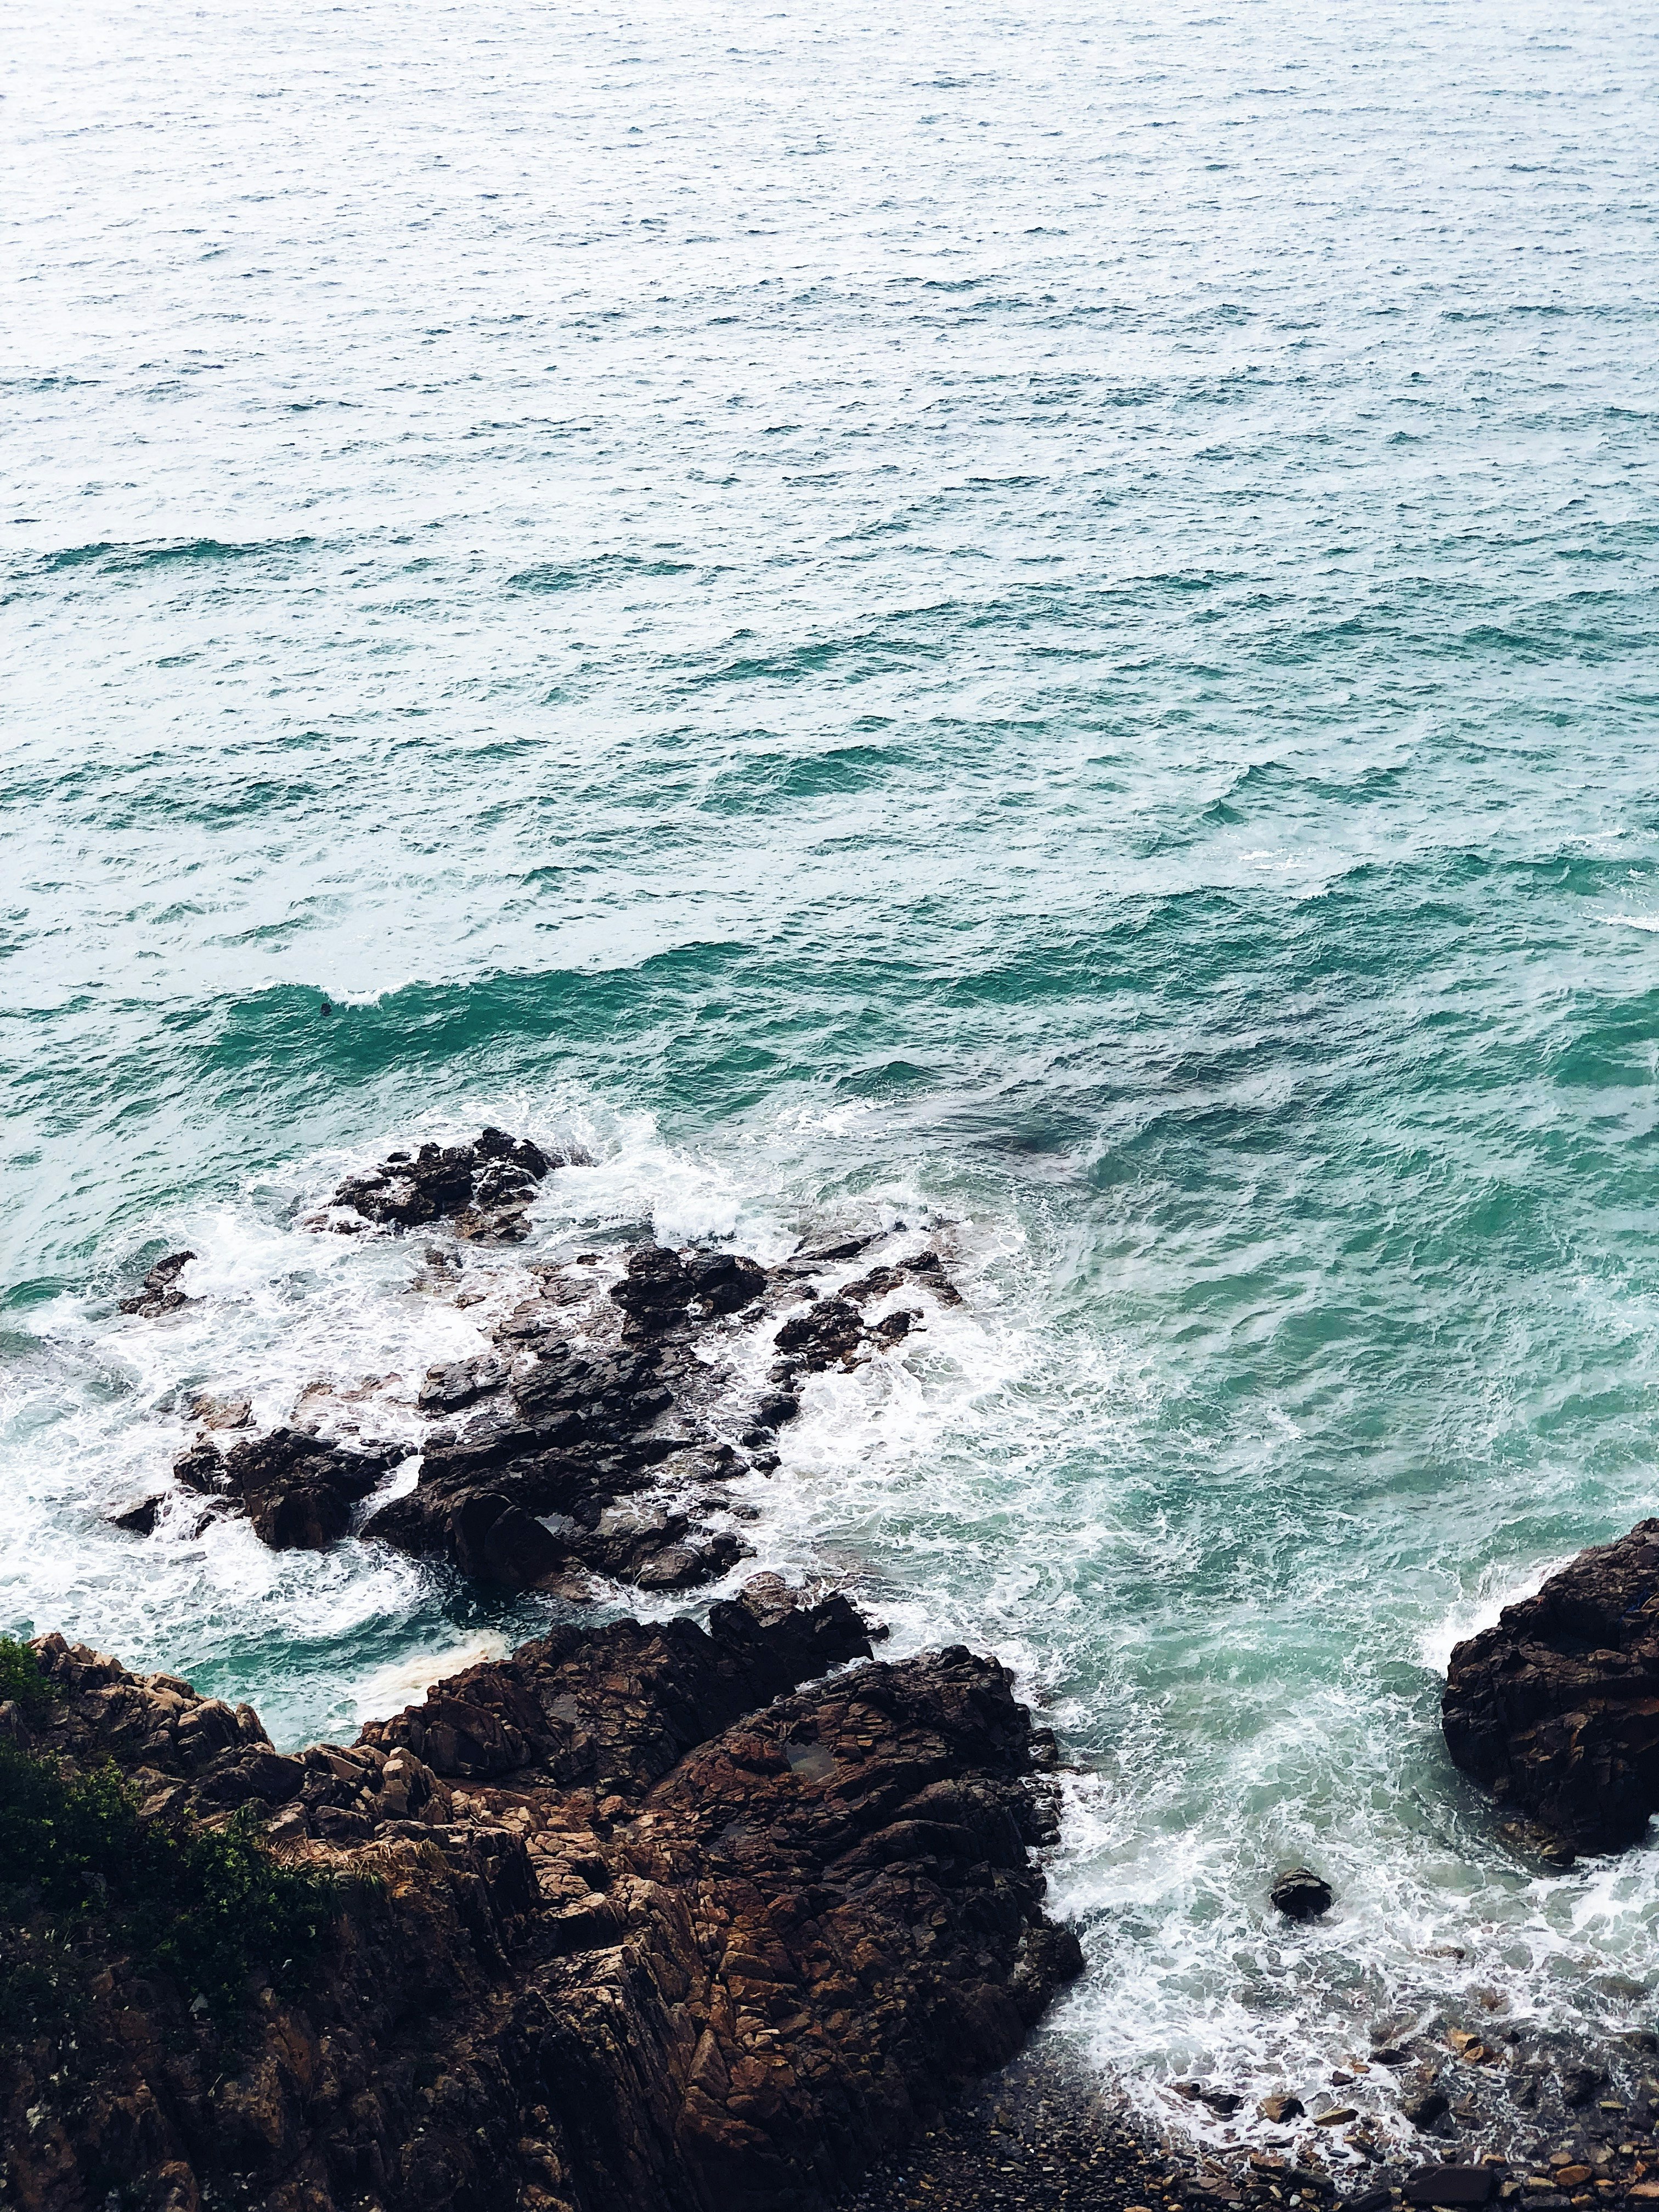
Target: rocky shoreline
x=648 y=1914
x=643 y=1916
x=1046 y=2133
x=721 y=1918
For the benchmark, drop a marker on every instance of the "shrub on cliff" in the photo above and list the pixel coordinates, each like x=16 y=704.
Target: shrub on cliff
x=209 y=1907
x=21 y=1682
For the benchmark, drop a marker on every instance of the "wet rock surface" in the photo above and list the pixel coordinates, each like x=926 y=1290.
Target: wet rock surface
x=1555 y=1709
x=297 y=1490
x=593 y=1442
x=658 y=1919
x=1301 y=1894
x=160 y=1293
x=1048 y=2132
x=485 y=1188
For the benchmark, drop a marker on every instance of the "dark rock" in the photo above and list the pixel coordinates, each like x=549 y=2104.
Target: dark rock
x=1555 y=1709
x=1281 y=2107
x=1450 y=2185
x=579 y=1447
x=160 y=1293
x=1300 y=1894
x=724 y=1282
x=447 y=1390
x=1371 y=2200
x=485 y=1188
x=1221 y=2102
x=1580 y=2083
x=829 y=1333
x=657 y=1288
x=1424 y=2110
x=928 y=1268
x=297 y=1491
x=812 y=1258
x=139 y=1520
x=893 y=1327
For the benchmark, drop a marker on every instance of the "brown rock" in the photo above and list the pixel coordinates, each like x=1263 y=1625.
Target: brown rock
x=682 y=1933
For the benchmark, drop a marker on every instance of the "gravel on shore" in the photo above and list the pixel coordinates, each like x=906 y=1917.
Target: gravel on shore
x=1047 y=2132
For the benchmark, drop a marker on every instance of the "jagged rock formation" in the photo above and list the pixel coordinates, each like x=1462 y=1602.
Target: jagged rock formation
x=158 y=1293
x=1555 y=1709
x=297 y=1491
x=592 y=1441
x=485 y=1188
x=637 y=1938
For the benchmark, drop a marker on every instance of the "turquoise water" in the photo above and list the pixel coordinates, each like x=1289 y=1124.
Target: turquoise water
x=1033 y=617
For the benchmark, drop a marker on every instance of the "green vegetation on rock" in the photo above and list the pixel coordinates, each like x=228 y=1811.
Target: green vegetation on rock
x=209 y=1907
x=21 y=1682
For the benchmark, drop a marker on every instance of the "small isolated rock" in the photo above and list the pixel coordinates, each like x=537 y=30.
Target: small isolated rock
x=160 y=1293
x=1338 y=2116
x=1301 y=1894
x=1281 y=2107
x=139 y=1520
x=1221 y=2102
x=1423 y=2112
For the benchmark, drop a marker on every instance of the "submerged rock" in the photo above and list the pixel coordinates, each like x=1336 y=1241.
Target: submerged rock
x=1555 y=1709
x=1301 y=1894
x=652 y=1924
x=1451 y=2184
x=160 y=1293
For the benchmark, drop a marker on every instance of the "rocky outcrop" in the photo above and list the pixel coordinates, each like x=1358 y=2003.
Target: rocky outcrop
x=1555 y=1709
x=485 y=1188
x=591 y=1443
x=656 y=1919
x=1301 y=1894
x=158 y=1293
x=298 y=1490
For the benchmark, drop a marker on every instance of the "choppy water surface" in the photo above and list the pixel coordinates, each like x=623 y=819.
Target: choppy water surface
x=1032 y=616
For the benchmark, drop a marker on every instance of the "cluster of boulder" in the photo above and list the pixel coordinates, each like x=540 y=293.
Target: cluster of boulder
x=665 y=1915
x=591 y=1441
x=658 y=1915
x=486 y=1188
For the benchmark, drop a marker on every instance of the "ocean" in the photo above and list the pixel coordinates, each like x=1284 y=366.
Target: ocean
x=1031 y=619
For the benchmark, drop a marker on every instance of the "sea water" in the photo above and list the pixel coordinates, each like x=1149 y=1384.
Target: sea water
x=1031 y=619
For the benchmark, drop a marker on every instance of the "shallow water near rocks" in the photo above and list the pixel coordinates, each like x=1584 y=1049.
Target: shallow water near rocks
x=1030 y=621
